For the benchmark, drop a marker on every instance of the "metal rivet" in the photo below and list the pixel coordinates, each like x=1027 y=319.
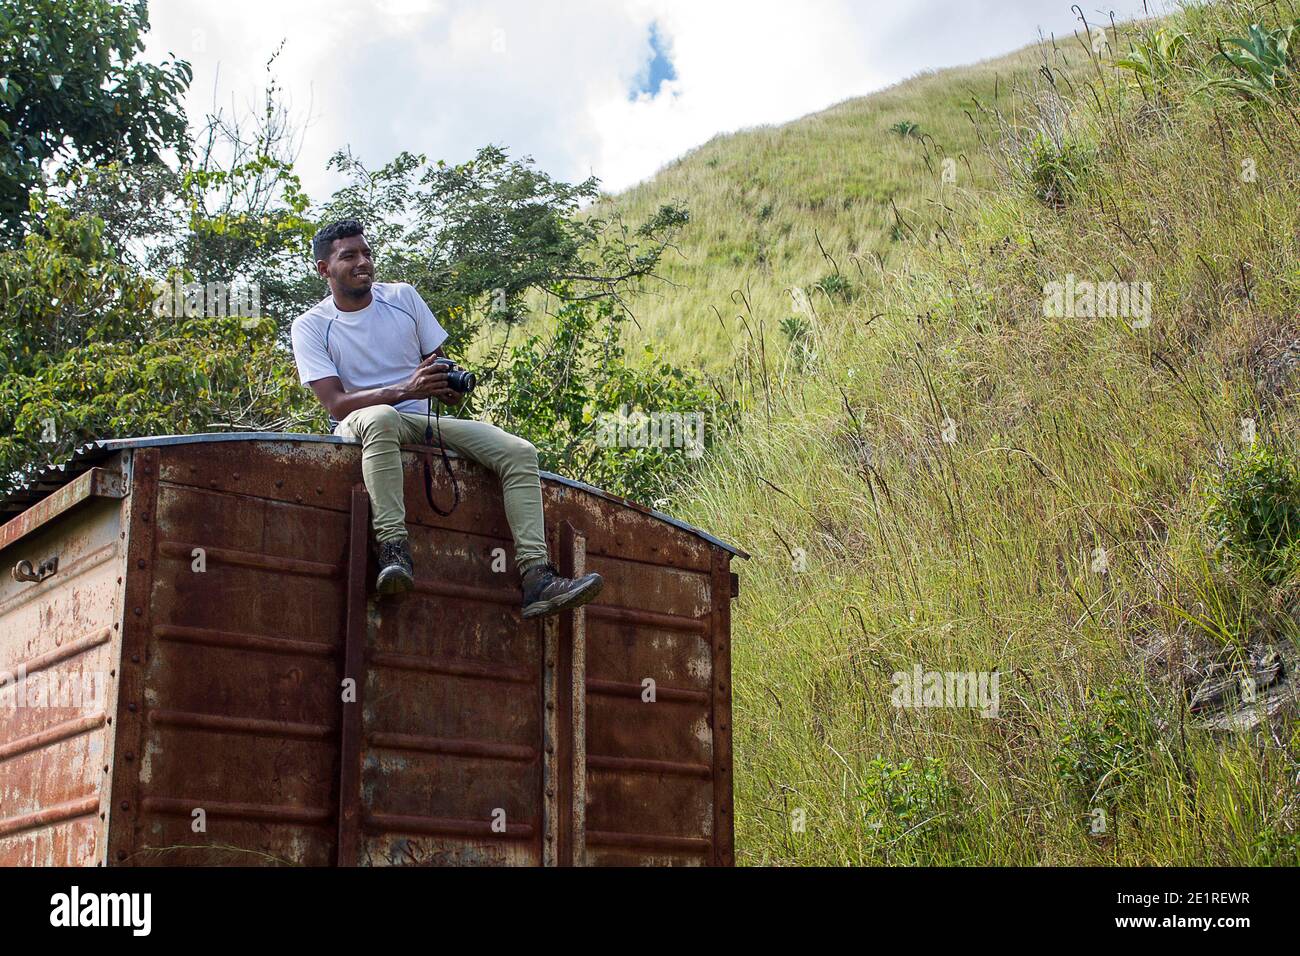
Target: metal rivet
x=212 y=482
x=139 y=611
x=131 y=708
x=550 y=748
x=298 y=498
x=236 y=476
x=130 y=757
x=126 y=805
x=320 y=490
x=279 y=483
x=550 y=705
x=135 y=658
x=121 y=854
x=550 y=838
x=140 y=563
x=193 y=469
x=550 y=791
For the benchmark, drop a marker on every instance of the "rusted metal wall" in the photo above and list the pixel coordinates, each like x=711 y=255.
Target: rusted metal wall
x=272 y=710
x=59 y=642
x=441 y=765
x=234 y=633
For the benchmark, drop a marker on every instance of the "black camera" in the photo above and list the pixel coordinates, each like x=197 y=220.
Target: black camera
x=458 y=380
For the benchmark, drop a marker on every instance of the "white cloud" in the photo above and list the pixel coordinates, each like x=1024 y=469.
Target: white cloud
x=552 y=79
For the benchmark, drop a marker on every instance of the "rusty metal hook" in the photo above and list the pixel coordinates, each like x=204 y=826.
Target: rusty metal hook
x=22 y=571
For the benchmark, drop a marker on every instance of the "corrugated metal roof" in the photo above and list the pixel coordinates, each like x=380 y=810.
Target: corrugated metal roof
x=53 y=477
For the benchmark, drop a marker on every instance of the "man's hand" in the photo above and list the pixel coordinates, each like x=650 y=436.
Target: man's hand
x=429 y=380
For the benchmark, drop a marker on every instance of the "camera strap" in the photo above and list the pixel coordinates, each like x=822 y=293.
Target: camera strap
x=428 y=472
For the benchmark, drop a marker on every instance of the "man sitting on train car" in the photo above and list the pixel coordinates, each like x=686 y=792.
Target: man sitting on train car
x=367 y=351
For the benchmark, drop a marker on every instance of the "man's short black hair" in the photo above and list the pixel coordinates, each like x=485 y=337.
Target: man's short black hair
x=324 y=240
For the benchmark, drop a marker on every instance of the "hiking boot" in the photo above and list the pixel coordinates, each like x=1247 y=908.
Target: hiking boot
x=545 y=592
x=396 y=570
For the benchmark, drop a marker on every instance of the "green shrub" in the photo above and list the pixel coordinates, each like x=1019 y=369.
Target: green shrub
x=837 y=286
x=1274 y=847
x=1155 y=57
x=1264 y=59
x=1057 y=171
x=1102 y=749
x=799 y=332
x=1254 y=511
x=911 y=808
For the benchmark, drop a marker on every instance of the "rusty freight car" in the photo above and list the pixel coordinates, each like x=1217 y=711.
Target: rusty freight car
x=195 y=670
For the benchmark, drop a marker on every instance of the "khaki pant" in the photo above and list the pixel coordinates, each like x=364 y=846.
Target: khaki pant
x=381 y=428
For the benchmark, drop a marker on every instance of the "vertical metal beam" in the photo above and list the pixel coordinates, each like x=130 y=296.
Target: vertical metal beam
x=552 y=788
x=574 y=550
x=724 y=834
x=127 y=732
x=354 y=646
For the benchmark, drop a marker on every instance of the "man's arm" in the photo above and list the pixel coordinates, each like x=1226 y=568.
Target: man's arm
x=426 y=381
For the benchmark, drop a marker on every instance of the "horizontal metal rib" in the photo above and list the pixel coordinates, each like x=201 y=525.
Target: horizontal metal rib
x=59 y=813
x=71 y=649
x=451 y=668
x=265 y=812
x=614 y=688
x=450 y=747
x=211 y=637
x=250 y=559
x=51 y=735
x=648 y=841
x=477 y=829
x=252 y=726
x=502 y=595
x=667 y=622
x=639 y=765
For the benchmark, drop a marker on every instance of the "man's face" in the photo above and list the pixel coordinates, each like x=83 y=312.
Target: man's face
x=350 y=268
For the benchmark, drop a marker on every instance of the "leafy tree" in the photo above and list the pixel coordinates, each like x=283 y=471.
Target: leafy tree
x=486 y=231
x=235 y=211
x=573 y=393
x=71 y=91
x=87 y=355
x=83 y=356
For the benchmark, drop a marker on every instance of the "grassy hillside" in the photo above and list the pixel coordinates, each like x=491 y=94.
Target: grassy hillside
x=775 y=208
x=949 y=476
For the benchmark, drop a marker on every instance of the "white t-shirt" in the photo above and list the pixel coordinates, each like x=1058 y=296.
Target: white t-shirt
x=372 y=347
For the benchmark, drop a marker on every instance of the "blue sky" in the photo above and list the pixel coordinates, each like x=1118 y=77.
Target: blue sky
x=657 y=70
x=611 y=88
